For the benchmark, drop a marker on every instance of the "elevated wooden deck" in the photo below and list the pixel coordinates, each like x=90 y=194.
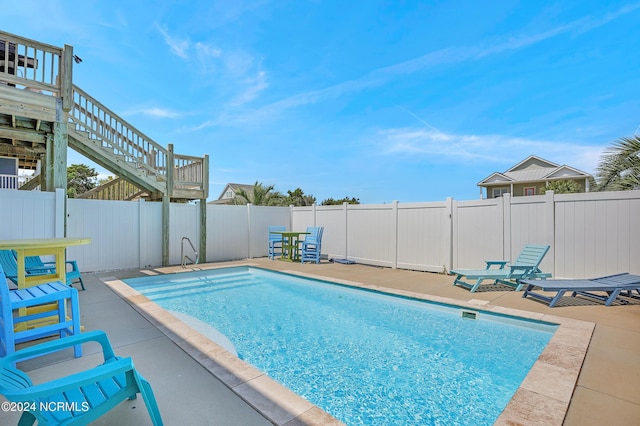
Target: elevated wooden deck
x=42 y=113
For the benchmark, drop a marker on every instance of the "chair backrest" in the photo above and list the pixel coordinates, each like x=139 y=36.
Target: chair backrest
x=315 y=235
x=276 y=237
x=531 y=255
x=9 y=263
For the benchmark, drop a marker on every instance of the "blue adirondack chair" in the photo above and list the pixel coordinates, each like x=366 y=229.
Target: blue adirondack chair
x=80 y=398
x=275 y=241
x=38 y=322
x=35 y=264
x=311 y=245
x=526 y=266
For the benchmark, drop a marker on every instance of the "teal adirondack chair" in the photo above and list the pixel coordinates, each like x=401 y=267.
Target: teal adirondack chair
x=80 y=398
x=35 y=264
x=526 y=266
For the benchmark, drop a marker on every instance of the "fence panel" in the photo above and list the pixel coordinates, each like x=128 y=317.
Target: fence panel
x=113 y=227
x=529 y=225
x=184 y=221
x=334 y=237
x=150 y=218
x=27 y=214
x=597 y=234
x=424 y=237
x=478 y=231
x=227 y=232
x=371 y=233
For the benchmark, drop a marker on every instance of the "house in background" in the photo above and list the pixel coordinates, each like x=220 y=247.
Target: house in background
x=229 y=193
x=529 y=176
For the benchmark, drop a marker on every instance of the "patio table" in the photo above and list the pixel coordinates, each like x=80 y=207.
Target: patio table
x=290 y=241
x=40 y=247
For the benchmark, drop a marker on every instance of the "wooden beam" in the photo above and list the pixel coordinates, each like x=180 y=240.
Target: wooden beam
x=22 y=135
x=24 y=103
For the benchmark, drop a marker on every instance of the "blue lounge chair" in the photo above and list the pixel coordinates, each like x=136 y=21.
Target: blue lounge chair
x=526 y=266
x=275 y=241
x=80 y=398
x=613 y=285
x=36 y=322
x=35 y=264
x=311 y=245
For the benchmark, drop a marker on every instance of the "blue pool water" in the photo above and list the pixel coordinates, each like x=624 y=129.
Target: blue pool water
x=365 y=357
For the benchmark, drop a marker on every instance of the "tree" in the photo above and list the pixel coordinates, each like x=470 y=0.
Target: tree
x=298 y=198
x=80 y=179
x=260 y=195
x=619 y=168
x=562 y=187
x=332 y=202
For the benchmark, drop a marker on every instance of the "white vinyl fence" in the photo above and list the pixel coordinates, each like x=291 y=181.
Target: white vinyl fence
x=590 y=234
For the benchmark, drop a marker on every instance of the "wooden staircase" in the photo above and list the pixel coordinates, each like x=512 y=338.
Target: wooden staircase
x=40 y=109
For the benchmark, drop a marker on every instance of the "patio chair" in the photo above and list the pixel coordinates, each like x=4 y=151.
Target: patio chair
x=526 y=266
x=312 y=244
x=80 y=398
x=613 y=285
x=275 y=241
x=36 y=321
x=10 y=266
x=35 y=264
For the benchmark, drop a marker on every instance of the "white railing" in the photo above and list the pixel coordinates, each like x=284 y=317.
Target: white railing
x=8 y=181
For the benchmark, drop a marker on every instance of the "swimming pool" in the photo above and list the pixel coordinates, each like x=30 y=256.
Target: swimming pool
x=364 y=357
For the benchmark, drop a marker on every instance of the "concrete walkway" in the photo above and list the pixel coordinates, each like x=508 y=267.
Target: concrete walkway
x=607 y=391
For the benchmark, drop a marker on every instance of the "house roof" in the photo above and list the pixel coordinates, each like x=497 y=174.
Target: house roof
x=533 y=169
x=235 y=187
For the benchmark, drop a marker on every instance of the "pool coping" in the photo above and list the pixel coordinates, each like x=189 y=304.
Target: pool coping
x=542 y=398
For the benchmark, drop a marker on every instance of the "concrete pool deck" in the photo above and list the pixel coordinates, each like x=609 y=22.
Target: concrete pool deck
x=606 y=390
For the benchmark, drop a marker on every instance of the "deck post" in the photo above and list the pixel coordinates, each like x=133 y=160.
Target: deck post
x=66 y=83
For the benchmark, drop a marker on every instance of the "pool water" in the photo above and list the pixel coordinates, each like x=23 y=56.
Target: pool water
x=364 y=357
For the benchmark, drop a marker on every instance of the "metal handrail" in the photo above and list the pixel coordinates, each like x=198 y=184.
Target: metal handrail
x=185 y=257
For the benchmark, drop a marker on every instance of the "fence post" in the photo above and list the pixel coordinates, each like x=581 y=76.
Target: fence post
x=550 y=231
x=315 y=219
x=141 y=237
x=449 y=238
x=394 y=252
x=506 y=226
x=249 y=230
x=345 y=207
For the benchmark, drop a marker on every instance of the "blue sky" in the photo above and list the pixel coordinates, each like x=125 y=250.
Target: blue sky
x=379 y=100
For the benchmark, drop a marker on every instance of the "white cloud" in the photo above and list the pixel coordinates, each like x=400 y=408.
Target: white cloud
x=496 y=149
x=178 y=47
x=450 y=55
x=154 y=112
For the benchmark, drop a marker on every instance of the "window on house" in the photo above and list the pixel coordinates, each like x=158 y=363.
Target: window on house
x=530 y=191
x=499 y=192
x=229 y=194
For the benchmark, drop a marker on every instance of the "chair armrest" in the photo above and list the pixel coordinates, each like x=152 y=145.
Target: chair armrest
x=74 y=381
x=526 y=270
x=501 y=263
x=98 y=336
x=74 y=265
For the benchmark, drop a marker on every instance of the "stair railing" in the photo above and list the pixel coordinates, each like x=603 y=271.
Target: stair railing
x=115 y=133
x=185 y=257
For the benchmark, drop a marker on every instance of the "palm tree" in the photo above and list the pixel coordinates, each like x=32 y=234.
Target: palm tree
x=260 y=195
x=619 y=169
